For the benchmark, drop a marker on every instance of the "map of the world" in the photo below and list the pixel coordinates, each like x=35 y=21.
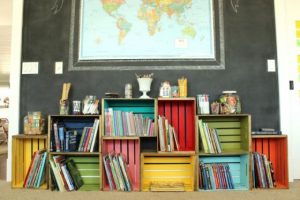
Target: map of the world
x=146 y=29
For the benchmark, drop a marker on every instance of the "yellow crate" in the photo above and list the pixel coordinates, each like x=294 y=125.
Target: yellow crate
x=168 y=170
x=23 y=147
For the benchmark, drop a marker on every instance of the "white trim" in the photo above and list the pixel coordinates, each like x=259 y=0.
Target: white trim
x=15 y=76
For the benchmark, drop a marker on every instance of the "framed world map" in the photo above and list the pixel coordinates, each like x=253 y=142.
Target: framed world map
x=146 y=34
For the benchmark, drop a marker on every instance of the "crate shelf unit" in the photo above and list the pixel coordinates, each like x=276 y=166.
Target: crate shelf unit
x=23 y=147
x=173 y=171
x=129 y=147
x=275 y=148
x=87 y=163
x=234 y=134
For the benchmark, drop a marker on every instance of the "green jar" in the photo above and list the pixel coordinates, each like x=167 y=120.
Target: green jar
x=230 y=103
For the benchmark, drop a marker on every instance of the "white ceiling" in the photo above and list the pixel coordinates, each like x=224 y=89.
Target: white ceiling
x=5 y=12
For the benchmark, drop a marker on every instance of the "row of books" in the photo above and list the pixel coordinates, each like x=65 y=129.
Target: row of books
x=116 y=173
x=262 y=171
x=168 y=140
x=67 y=140
x=209 y=138
x=35 y=175
x=118 y=123
x=215 y=176
x=64 y=174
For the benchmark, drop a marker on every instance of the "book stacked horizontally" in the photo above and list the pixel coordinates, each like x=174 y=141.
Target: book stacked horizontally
x=168 y=140
x=35 y=176
x=215 y=176
x=209 y=138
x=116 y=173
x=118 y=123
x=64 y=174
x=262 y=171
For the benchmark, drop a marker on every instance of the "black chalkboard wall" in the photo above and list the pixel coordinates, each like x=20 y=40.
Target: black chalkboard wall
x=249 y=41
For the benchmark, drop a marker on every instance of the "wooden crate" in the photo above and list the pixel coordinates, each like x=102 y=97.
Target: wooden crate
x=233 y=130
x=146 y=107
x=275 y=148
x=72 y=122
x=168 y=169
x=180 y=113
x=239 y=168
x=90 y=171
x=23 y=147
x=130 y=149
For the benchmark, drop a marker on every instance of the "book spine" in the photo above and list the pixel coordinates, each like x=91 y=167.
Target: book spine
x=57 y=143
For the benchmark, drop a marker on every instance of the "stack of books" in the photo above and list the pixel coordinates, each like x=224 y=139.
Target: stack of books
x=118 y=123
x=64 y=174
x=168 y=140
x=209 y=138
x=116 y=173
x=215 y=176
x=262 y=171
x=35 y=176
x=66 y=140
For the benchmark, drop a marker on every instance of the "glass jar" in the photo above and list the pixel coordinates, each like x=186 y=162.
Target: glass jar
x=230 y=103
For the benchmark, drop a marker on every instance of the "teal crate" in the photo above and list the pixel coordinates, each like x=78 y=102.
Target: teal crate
x=146 y=107
x=239 y=168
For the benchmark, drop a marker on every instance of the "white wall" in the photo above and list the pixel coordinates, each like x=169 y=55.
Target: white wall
x=16 y=47
x=287 y=11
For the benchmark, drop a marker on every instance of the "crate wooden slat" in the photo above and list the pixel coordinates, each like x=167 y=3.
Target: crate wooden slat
x=168 y=169
x=130 y=150
x=181 y=115
x=23 y=147
x=275 y=148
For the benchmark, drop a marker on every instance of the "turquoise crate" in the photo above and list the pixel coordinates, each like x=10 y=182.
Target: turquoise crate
x=146 y=107
x=239 y=168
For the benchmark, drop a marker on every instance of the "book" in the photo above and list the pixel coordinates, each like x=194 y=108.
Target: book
x=41 y=174
x=72 y=141
x=84 y=132
x=30 y=168
x=108 y=173
x=57 y=141
x=95 y=134
x=125 y=175
x=74 y=173
x=57 y=176
x=61 y=135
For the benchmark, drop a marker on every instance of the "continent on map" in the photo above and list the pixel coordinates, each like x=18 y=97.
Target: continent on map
x=151 y=12
x=189 y=31
x=111 y=6
x=124 y=27
x=152 y=16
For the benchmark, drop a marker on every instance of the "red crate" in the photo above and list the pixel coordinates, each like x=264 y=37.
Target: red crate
x=275 y=148
x=181 y=115
x=130 y=150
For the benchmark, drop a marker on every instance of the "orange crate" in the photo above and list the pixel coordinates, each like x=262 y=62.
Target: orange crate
x=275 y=148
